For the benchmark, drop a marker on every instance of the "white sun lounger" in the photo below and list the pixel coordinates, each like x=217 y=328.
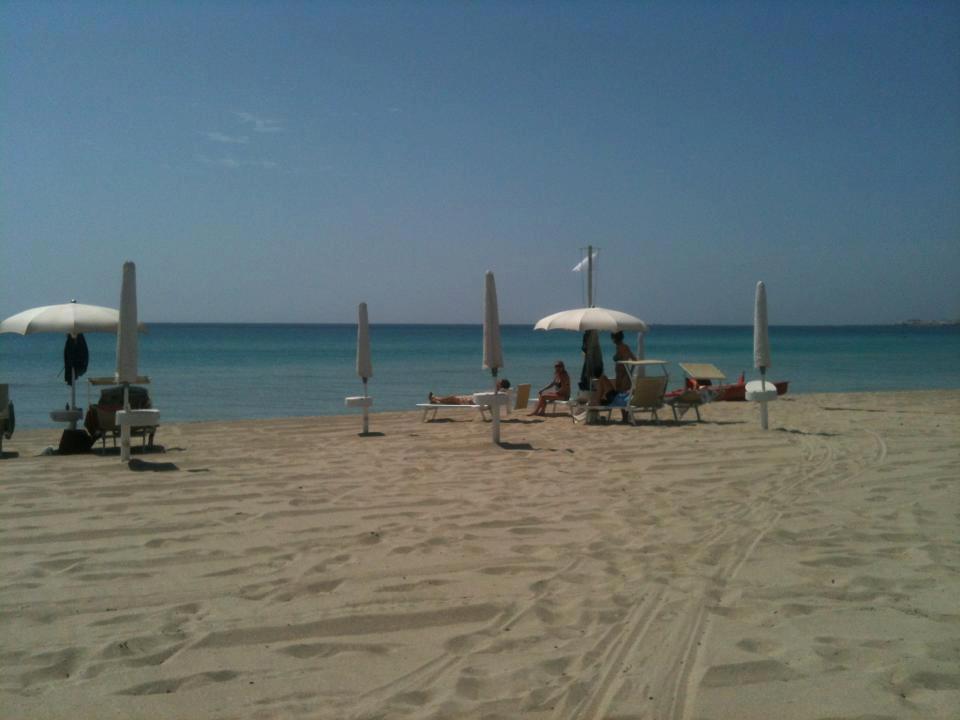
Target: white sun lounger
x=430 y=410
x=519 y=398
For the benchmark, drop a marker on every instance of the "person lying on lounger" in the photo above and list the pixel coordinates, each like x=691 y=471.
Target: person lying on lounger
x=558 y=389
x=502 y=384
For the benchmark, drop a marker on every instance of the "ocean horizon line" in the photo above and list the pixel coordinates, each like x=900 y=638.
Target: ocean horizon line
x=285 y=323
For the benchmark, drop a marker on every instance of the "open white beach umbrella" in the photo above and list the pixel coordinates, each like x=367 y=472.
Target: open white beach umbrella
x=71 y=318
x=591 y=318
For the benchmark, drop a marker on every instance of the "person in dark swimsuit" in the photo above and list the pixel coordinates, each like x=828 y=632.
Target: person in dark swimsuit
x=558 y=389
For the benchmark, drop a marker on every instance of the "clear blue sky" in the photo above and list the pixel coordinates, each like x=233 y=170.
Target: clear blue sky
x=281 y=161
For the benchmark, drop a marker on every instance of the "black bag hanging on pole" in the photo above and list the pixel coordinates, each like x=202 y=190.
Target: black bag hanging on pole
x=75 y=358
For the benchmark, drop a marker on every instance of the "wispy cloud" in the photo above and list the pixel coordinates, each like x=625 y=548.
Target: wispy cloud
x=260 y=124
x=231 y=163
x=229 y=139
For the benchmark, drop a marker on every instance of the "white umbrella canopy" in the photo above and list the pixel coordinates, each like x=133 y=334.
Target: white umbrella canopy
x=592 y=318
x=71 y=318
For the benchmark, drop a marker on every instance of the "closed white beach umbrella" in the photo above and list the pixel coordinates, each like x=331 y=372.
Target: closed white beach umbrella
x=364 y=367
x=492 y=350
x=127 y=349
x=761 y=392
x=761 y=332
x=591 y=318
x=364 y=364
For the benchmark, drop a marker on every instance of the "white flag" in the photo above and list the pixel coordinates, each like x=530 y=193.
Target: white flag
x=583 y=263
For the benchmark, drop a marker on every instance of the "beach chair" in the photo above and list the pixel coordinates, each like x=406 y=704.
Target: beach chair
x=646 y=393
x=646 y=397
x=701 y=374
x=430 y=410
x=689 y=399
x=571 y=406
x=7 y=420
x=519 y=393
x=101 y=420
x=523 y=397
x=700 y=377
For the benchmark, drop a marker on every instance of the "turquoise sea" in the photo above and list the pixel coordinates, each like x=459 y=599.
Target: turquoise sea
x=234 y=371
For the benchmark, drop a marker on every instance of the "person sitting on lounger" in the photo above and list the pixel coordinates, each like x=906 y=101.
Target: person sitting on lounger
x=605 y=393
x=558 y=389
x=502 y=384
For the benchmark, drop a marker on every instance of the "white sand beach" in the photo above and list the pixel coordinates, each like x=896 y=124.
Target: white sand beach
x=290 y=568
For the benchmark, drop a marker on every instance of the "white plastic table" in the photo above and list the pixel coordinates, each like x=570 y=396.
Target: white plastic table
x=67 y=416
x=761 y=391
x=127 y=419
x=494 y=401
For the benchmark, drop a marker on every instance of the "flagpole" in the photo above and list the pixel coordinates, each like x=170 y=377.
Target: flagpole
x=589 y=275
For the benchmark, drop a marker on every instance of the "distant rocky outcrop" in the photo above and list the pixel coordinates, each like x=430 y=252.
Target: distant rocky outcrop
x=928 y=323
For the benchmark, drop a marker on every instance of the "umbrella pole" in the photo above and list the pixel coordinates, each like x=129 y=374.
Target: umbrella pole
x=366 y=421
x=641 y=354
x=73 y=395
x=495 y=410
x=125 y=427
x=763 y=403
x=589 y=275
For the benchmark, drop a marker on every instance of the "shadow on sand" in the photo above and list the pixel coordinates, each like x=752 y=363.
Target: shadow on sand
x=516 y=446
x=804 y=432
x=144 y=466
x=134 y=450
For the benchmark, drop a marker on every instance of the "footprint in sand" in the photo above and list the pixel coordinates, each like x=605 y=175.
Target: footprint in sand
x=172 y=685
x=58 y=665
x=759 y=646
x=748 y=673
